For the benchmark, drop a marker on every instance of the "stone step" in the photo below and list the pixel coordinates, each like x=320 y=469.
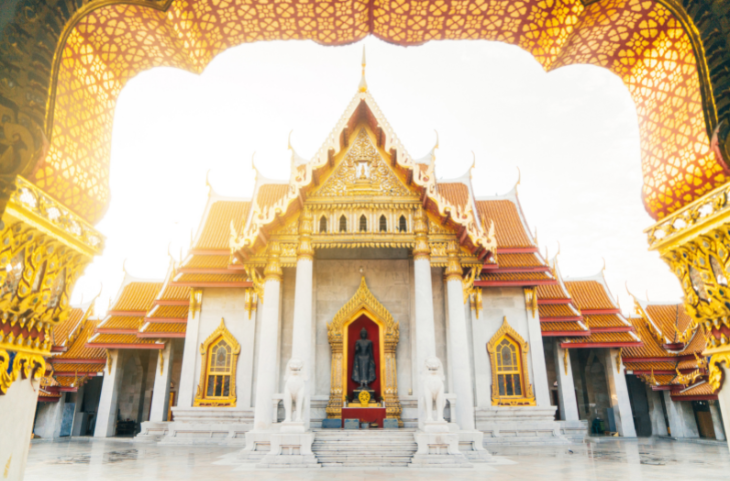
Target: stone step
x=364 y=465
x=359 y=447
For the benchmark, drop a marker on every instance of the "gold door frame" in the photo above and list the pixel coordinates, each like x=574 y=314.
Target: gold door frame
x=363 y=303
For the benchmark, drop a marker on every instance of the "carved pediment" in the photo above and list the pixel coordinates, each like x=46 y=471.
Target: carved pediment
x=363 y=172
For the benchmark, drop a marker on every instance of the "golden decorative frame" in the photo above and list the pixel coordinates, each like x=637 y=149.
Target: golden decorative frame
x=363 y=303
x=529 y=398
x=200 y=398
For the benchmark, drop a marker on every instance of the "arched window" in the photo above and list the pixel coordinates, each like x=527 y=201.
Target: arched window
x=383 y=224
x=363 y=224
x=402 y=227
x=323 y=224
x=510 y=379
x=220 y=363
x=343 y=224
x=508 y=369
x=219 y=354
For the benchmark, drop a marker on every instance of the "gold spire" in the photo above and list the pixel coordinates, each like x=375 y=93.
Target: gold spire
x=363 y=84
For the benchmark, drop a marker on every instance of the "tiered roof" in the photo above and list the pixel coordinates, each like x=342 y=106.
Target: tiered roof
x=608 y=327
x=518 y=261
x=168 y=316
x=121 y=326
x=559 y=315
x=208 y=261
x=75 y=363
x=671 y=356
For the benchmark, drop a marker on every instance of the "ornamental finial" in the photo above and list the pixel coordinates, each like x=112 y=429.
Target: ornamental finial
x=363 y=84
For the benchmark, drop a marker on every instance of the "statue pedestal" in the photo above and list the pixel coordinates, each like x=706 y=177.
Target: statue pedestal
x=290 y=450
x=438 y=449
x=293 y=427
x=435 y=427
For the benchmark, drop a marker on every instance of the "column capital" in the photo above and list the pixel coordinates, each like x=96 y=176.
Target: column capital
x=453 y=264
x=422 y=250
x=273 y=271
x=305 y=251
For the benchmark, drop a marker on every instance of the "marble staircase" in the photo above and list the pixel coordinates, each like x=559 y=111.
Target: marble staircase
x=371 y=448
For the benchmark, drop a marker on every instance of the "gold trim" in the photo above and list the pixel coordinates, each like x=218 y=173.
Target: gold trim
x=363 y=302
x=24 y=366
x=273 y=271
x=531 y=299
x=715 y=373
x=529 y=398
x=453 y=266
x=200 y=392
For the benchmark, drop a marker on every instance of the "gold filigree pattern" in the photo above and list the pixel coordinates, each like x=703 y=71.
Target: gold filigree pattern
x=527 y=398
x=24 y=365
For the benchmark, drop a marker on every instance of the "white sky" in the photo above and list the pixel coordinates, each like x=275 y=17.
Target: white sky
x=573 y=133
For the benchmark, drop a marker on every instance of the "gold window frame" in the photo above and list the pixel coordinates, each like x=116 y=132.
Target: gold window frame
x=527 y=398
x=221 y=333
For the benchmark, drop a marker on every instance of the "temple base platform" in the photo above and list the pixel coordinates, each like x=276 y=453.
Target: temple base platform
x=527 y=425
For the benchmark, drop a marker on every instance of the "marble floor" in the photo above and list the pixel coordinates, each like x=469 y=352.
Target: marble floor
x=644 y=459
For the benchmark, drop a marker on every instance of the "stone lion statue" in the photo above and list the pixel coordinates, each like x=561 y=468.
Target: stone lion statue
x=294 y=390
x=433 y=391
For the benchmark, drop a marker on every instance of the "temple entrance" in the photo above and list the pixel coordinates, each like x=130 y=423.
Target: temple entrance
x=363 y=337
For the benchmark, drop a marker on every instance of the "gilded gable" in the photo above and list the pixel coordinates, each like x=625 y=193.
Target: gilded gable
x=362 y=172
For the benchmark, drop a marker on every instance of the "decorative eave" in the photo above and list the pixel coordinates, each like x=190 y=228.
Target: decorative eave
x=254 y=236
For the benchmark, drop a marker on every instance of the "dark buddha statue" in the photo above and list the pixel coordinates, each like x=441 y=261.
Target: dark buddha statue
x=363 y=366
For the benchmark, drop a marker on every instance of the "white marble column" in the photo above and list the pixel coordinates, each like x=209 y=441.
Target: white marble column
x=17 y=408
x=619 y=393
x=682 y=422
x=186 y=392
x=302 y=328
x=106 y=417
x=566 y=386
x=266 y=372
x=723 y=400
x=717 y=421
x=161 y=389
x=656 y=412
x=78 y=415
x=422 y=284
x=458 y=342
x=539 y=377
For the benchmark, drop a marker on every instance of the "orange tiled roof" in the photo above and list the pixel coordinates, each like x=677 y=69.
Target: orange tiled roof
x=688 y=364
x=606 y=338
x=119 y=339
x=667 y=316
x=573 y=326
x=455 y=192
x=48 y=381
x=648 y=366
x=605 y=321
x=269 y=194
x=516 y=276
x=651 y=347
x=81 y=368
x=121 y=322
x=137 y=296
x=551 y=291
x=174 y=293
x=212 y=278
x=509 y=229
x=176 y=312
x=520 y=260
x=167 y=327
x=212 y=262
x=556 y=310
x=62 y=330
x=697 y=344
x=217 y=229
x=589 y=295
x=78 y=349
x=703 y=389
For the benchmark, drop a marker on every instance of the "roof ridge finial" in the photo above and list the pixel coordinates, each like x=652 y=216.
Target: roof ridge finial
x=363 y=87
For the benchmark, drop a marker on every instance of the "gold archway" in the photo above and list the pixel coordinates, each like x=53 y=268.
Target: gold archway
x=202 y=397
x=363 y=303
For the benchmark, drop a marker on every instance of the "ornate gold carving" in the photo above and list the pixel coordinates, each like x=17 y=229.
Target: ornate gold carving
x=305 y=250
x=531 y=300
x=161 y=361
x=24 y=365
x=363 y=303
x=528 y=399
x=475 y=300
x=420 y=227
x=453 y=265
x=252 y=300
x=618 y=361
x=273 y=270
x=364 y=398
x=715 y=372
x=566 y=360
x=196 y=301
x=362 y=172
x=201 y=399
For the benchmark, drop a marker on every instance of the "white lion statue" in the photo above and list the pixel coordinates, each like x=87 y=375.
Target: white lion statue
x=432 y=385
x=294 y=390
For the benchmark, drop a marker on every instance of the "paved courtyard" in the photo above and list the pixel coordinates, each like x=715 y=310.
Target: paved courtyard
x=624 y=460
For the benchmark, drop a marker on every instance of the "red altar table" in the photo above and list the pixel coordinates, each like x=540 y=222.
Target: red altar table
x=365 y=415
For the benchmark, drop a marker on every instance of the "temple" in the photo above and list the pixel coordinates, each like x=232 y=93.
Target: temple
x=364 y=293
